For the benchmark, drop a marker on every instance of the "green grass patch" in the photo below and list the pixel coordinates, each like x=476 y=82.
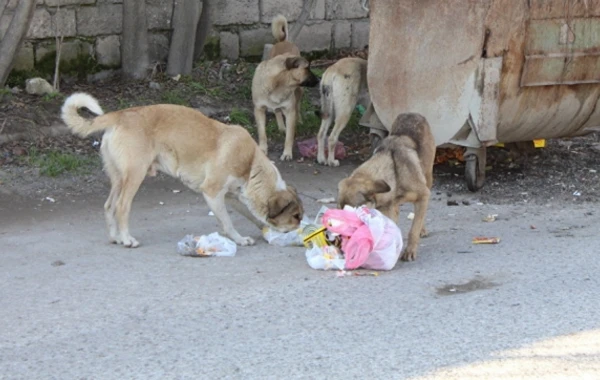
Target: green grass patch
x=53 y=95
x=54 y=163
x=174 y=97
x=240 y=117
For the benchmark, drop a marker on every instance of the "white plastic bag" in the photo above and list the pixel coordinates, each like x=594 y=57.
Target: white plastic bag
x=206 y=245
x=325 y=258
x=285 y=239
x=360 y=228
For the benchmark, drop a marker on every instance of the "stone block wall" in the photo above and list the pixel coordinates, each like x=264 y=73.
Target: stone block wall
x=240 y=28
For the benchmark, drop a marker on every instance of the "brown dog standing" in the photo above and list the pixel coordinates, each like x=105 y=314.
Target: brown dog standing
x=400 y=171
x=274 y=86
x=340 y=88
x=221 y=161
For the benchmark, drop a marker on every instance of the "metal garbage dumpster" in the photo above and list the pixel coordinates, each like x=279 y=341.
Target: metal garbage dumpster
x=485 y=71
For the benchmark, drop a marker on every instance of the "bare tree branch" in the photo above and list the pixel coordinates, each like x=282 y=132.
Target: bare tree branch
x=59 y=40
x=10 y=44
x=307 y=7
x=3 y=4
x=134 y=50
x=186 y=15
x=204 y=27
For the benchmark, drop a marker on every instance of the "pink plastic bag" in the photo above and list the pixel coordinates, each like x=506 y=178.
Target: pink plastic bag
x=370 y=240
x=308 y=149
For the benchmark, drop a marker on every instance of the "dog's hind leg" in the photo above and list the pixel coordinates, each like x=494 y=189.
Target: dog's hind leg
x=341 y=120
x=260 y=115
x=290 y=133
x=115 y=188
x=322 y=137
x=327 y=113
x=130 y=183
x=110 y=208
x=217 y=205
x=418 y=225
x=299 y=95
x=279 y=118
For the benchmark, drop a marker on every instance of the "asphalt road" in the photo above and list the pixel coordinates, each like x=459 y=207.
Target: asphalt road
x=73 y=306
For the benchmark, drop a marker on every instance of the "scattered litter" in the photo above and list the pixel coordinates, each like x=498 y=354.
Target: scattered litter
x=479 y=203
x=345 y=273
x=326 y=200
x=325 y=258
x=369 y=239
x=593 y=171
x=177 y=191
x=308 y=149
x=466 y=202
x=452 y=203
x=176 y=77
x=210 y=213
x=206 y=245
x=490 y=218
x=50 y=199
x=285 y=239
x=532 y=227
x=410 y=216
x=577 y=194
x=301 y=159
x=161 y=203
x=95 y=143
x=486 y=240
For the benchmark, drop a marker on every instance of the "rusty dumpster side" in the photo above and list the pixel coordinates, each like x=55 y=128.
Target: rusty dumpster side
x=487 y=71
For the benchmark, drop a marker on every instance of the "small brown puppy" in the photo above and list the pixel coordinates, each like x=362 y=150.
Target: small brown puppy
x=340 y=87
x=400 y=171
x=221 y=161
x=274 y=86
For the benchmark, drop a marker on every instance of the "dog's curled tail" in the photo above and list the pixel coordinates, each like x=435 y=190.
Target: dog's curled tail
x=79 y=124
x=279 y=28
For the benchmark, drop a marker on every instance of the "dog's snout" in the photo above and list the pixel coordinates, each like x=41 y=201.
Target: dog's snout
x=312 y=80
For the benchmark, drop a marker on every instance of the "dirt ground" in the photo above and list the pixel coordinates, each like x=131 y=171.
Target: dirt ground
x=565 y=170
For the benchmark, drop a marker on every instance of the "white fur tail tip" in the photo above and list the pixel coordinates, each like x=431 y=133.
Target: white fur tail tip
x=79 y=100
x=80 y=125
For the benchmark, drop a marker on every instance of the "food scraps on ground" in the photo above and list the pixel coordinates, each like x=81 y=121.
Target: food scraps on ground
x=490 y=218
x=486 y=240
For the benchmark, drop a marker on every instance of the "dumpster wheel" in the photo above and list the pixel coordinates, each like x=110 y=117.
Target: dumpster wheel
x=475 y=168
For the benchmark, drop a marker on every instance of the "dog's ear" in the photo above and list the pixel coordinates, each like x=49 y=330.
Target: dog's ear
x=379 y=186
x=295 y=63
x=277 y=206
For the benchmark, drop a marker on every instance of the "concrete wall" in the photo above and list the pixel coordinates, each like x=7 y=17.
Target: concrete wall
x=240 y=28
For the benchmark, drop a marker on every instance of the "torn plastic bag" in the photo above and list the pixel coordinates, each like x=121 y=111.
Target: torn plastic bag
x=325 y=258
x=370 y=240
x=206 y=245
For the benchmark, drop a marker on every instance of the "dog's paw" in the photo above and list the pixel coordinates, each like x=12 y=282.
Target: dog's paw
x=408 y=255
x=130 y=242
x=286 y=156
x=245 y=240
x=333 y=163
x=321 y=160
